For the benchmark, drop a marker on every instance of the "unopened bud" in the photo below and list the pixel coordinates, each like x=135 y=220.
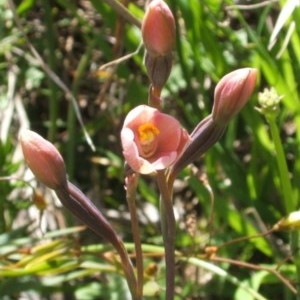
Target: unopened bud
x=158 y=29
x=232 y=93
x=290 y=222
x=43 y=159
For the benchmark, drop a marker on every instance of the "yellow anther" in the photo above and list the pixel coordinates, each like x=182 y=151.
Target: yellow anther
x=147 y=133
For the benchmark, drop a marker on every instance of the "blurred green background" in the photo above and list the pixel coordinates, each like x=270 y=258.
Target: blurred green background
x=50 y=52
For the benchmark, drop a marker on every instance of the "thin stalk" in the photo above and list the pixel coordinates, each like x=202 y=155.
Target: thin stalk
x=124 y=12
x=2 y=212
x=51 y=46
x=71 y=144
x=295 y=245
x=180 y=49
x=168 y=231
x=131 y=200
x=287 y=192
x=71 y=118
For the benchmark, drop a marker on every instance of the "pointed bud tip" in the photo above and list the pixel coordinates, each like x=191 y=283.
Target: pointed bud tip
x=43 y=159
x=158 y=29
x=232 y=93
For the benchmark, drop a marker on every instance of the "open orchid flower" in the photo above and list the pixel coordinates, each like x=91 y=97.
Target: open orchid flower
x=151 y=140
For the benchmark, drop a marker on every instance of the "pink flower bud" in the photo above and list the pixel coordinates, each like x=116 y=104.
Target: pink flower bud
x=158 y=29
x=232 y=93
x=151 y=140
x=43 y=159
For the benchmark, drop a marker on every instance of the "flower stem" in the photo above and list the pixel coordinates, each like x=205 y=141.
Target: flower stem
x=287 y=191
x=295 y=244
x=168 y=231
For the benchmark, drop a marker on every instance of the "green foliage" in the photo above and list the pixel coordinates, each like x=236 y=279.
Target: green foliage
x=243 y=196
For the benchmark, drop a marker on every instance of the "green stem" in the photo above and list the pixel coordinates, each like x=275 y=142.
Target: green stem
x=282 y=166
x=295 y=245
x=71 y=144
x=168 y=231
x=124 y=12
x=287 y=191
x=180 y=49
x=51 y=59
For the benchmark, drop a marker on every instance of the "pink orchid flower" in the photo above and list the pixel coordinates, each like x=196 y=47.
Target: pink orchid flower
x=151 y=140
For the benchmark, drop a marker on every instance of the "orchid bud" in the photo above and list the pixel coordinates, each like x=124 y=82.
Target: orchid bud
x=43 y=159
x=232 y=93
x=158 y=29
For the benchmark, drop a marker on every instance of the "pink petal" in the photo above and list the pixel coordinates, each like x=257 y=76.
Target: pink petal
x=131 y=154
x=138 y=115
x=164 y=162
x=170 y=132
x=171 y=140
